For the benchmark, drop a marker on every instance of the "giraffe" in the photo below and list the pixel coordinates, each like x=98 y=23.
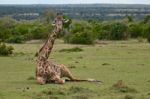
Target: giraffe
x=46 y=71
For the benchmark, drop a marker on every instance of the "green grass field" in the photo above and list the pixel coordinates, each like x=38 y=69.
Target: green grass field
x=110 y=61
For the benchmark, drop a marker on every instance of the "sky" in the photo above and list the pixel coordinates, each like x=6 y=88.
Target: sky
x=73 y=1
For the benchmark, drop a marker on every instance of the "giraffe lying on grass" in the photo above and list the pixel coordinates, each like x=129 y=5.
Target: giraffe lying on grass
x=48 y=72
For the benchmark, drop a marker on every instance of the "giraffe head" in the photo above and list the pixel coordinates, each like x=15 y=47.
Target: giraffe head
x=59 y=21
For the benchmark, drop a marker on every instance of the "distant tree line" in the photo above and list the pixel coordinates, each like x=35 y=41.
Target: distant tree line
x=76 y=11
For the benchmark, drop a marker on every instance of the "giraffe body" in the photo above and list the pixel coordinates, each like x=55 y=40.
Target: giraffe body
x=52 y=73
x=46 y=71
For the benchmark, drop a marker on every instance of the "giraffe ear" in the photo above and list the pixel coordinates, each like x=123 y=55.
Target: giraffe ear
x=53 y=23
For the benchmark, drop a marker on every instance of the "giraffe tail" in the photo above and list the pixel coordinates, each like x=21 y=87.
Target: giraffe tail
x=84 y=80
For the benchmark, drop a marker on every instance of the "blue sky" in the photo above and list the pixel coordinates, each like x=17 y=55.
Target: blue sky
x=72 y=1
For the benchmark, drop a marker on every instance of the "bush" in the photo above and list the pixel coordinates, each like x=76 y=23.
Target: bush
x=79 y=38
x=80 y=32
x=146 y=30
x=135 y=30
x=39 y=31
x=113 y=31
x=5 y=50
x=16 y=39
x=6 y=26
x=104 y=32
x=96 y=28
x=118 y=31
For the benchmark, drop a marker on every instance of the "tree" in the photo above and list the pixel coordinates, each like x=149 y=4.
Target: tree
x=118 y=31
x=146 y=19
x=80 y=33
x=5 y=50
x=6 y=26
x=130 y=18
x=96 y=28
x=135 y=30
x=146 y=30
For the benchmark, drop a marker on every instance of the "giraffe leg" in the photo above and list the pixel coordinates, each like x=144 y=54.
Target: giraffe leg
x=41 y=80
x=58 y=80
x=66 y=72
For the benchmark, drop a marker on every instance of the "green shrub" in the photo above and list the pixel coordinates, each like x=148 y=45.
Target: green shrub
x=104 y=35
x=80 y=32
x=135 y=30
x=16 y=39
x=96 y=28
x=113 y=31
x=79 y=38
x=104 y=32
x=146 y=30
x=118 y=31
x=38 y=32
x=5 y=50
x=6 y=26
x=146 y=19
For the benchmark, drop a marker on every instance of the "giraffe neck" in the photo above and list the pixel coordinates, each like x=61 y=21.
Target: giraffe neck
x=45 y=51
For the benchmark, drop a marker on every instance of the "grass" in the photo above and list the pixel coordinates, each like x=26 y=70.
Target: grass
x=128 y=61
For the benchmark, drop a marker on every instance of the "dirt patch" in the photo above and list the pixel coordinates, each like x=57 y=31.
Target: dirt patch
x=122 y=87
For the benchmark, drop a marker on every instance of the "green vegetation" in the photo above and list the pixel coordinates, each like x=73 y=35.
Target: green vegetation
x=5 y=50
x=113 y=31
x=110 y=62
x=79 y=38
x=79 y=33
x=14 y=31
x=75 y=31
